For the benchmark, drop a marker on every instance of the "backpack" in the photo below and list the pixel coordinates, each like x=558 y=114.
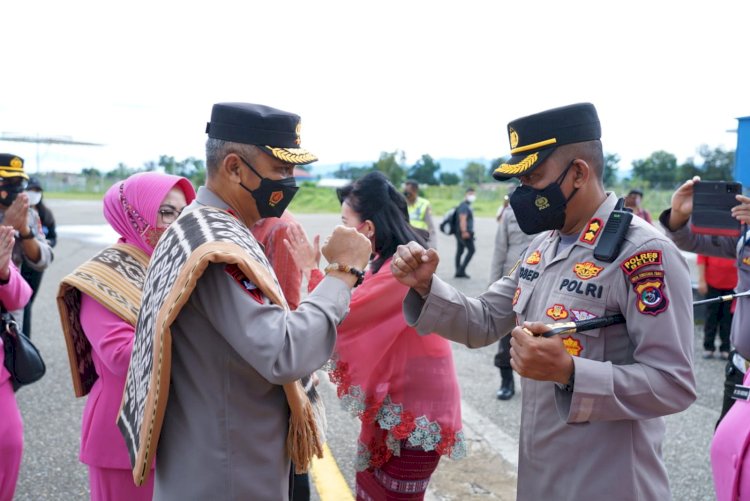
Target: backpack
x=448 y=225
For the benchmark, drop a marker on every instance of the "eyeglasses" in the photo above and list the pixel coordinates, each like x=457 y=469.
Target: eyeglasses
x=169 y=216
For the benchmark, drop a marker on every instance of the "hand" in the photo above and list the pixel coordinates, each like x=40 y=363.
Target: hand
x=702 y=288
x=682 y=204
x=17 y=215
x=413 y=265
x=347 y=246
x=465 y=235
x=306 y=256
x=540 y=358
x=7 y=240
x=742 y=212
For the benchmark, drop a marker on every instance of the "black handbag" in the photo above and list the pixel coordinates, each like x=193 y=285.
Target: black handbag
x=22 y=359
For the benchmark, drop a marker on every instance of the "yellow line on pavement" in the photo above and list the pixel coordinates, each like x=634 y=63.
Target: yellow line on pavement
x=328 y=480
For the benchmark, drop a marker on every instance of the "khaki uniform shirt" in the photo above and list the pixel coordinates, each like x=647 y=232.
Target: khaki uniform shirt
x=603 y=440
x=226 y=419
x=510 y=241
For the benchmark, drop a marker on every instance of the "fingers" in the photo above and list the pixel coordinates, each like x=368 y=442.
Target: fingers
x=407 y=259
x=316 y=243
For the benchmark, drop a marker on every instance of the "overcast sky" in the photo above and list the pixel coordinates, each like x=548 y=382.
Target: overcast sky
x=442 y=78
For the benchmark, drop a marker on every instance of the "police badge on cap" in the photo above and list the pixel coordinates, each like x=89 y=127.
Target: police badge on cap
x=275 y=131
x=535 y=137
x=11 y=166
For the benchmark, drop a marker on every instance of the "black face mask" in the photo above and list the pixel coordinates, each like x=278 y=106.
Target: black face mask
x=541 y=210
x=272 y=196
x=9 y=192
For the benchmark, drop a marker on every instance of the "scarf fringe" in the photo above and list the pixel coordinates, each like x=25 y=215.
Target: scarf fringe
x=303 y=441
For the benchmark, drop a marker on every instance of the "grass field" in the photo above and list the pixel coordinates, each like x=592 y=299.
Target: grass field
x=315 y=200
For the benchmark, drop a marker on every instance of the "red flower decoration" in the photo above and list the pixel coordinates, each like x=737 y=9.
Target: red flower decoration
x=402 y=430
x=446 y=444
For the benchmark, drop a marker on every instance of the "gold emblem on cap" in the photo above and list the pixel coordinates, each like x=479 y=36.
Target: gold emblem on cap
x=513 y=137
x=298 y=130
x=16 y=163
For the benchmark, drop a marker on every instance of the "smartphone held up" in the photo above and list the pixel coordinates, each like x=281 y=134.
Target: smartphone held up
x=712 y=208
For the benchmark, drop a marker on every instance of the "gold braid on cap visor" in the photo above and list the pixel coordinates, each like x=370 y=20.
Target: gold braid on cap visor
x=521 y=166
x=289 y=156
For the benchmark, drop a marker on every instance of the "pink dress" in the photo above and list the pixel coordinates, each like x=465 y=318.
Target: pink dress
x=730 y=452
x=14 y=296
x=102 y=446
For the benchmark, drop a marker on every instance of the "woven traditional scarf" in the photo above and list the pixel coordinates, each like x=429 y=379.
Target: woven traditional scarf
x=114 y=278
x=198 y=238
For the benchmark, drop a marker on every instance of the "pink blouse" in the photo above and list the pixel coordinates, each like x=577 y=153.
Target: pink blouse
x=111 y=341
x=730 y=452
x=14 y=295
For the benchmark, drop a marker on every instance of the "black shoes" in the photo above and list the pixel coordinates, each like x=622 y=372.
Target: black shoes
x=507 y=389
x=461 y=274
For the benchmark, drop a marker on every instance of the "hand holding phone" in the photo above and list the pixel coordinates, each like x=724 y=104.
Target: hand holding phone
x=713 y=202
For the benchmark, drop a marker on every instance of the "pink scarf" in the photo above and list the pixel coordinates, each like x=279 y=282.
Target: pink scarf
x=131 y=206
x=730 y=452
x=403 y=386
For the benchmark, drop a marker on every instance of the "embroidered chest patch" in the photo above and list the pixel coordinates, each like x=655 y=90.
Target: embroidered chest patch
x=746 y=260
x=586 y=270
x=534 y=258
x=572 y=345
x=557 y=312
x=234 y=271
x=581 y=314
x=650 y=296
x=592 y=231
x=637 y=261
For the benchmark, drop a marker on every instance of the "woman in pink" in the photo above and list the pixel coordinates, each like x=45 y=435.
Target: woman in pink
x=401 y=385
x=14 y=294
x=730 y=450
x=139 y=209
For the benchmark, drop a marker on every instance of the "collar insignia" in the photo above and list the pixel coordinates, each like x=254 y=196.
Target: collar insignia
x=534 y=258
x=592 y=231
x=516 y=296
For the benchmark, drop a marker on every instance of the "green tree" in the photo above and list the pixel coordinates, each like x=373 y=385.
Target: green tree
x=389 y=165
x=425 y=170
x=659 y=169
x=449 y=178
x=718 y=164
x=91 y=172
x=611 y=166
x=120 y=172
x=168 y=163
x=687 y=170
x=474 y=174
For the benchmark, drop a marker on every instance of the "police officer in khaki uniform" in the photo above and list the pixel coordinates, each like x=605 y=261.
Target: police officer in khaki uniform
x=591 y=424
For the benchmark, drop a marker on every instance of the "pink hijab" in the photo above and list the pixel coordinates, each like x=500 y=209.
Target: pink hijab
x=131 y=206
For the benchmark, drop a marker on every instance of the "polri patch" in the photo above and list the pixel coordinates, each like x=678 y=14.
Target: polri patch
x=637 y=261
x=746 y=260
x=586 y=270
x=650 y=296
x=592 y=231
x=239 y=277
x=572 y=345
x=534 y=258
x=557 y=312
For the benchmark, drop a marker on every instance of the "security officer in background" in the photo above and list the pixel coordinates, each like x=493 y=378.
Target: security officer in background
x=31 y=248
x=420 y=212
x=592 y=401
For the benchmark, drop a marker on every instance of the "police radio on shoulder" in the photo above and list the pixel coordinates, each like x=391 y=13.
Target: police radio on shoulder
x=614 y=233
x=347 y=269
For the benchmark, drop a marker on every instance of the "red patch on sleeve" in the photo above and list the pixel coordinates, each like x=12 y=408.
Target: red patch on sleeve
x=234 y=271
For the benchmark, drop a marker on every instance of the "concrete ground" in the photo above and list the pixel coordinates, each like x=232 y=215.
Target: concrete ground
x=52 y=415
